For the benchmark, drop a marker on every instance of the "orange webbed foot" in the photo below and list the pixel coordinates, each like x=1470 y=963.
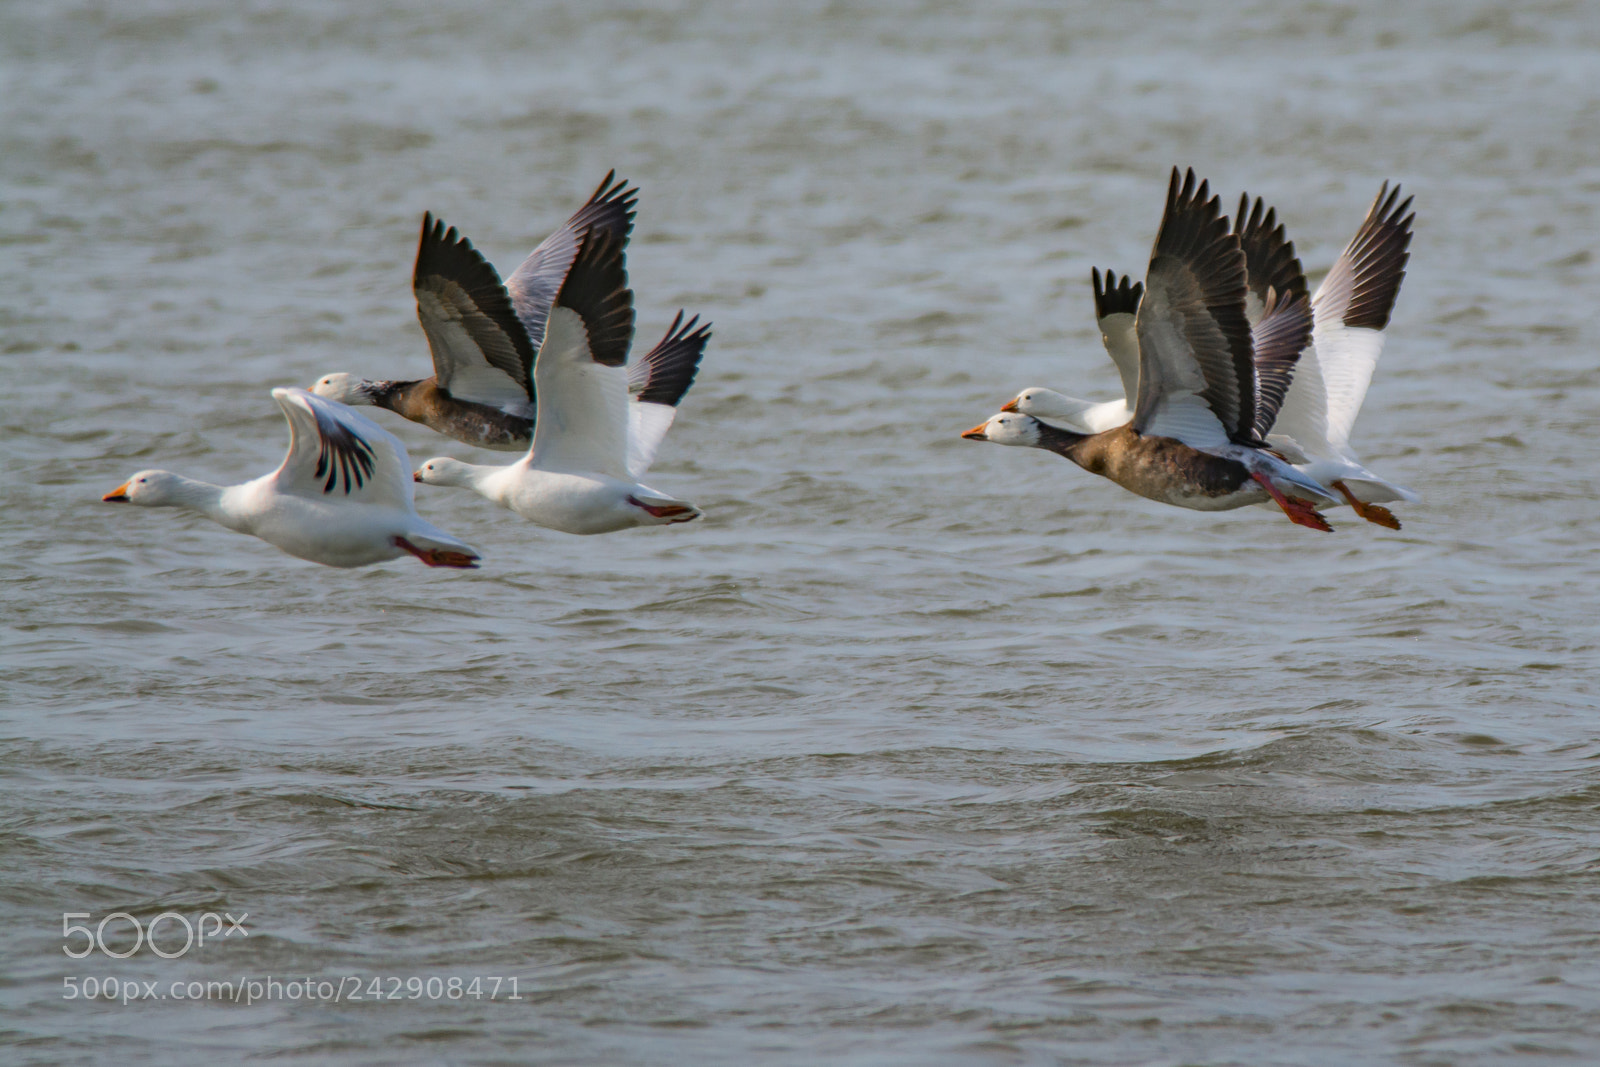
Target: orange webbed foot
x=1304 y=513
x=1376 y=514
x=444 y=557
x=670 y=512
x=1300 y=512
x=439 y=557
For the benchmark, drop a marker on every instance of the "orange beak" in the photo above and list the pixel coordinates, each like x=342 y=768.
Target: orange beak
x=416 y=476
x=976 y=433
x=1010 y=405
x=119 y=495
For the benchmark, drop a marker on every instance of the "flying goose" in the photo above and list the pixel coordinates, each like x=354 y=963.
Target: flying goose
x=581 y=475
x=1349 y=313
x=1192 y=440
x=342 y=496
x=484 y=334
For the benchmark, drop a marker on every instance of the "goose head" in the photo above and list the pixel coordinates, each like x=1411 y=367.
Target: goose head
x=442 y=470
x=149 y=489
x=345 y=388
x=1045 y=403
x=1007 y=428
x=1016 y=402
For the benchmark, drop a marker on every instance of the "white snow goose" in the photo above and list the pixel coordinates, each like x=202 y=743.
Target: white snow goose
x=581 y=475
x=1349 y=312
x=1192 y=441
x=1116 y=304
x=484 y=334
x=341 y=497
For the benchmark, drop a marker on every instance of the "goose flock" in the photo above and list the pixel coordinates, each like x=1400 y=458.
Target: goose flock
x=1238 y=388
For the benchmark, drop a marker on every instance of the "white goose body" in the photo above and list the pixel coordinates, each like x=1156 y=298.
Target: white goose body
x=590 y=447
x=336 y=535
x=1348 y=475
x=341 y=497
x=1350 y=312
x=571 y=502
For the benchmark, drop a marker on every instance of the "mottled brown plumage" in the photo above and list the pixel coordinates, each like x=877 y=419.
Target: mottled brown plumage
x=477 y=424
x=1157 y=468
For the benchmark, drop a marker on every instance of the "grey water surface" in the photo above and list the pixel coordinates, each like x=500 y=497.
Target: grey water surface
x=915 y=750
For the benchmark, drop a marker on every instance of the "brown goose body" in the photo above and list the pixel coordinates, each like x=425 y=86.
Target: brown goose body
x=425 y=401
x=1157 y=468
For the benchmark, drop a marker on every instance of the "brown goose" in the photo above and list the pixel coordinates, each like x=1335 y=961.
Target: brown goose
x=484 y=335
x=1192 y=440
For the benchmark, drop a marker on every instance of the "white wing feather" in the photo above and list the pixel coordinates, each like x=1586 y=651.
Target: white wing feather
x=458 y=359
x=336 y=453
x=1331 y=379
x=582 y=425
x=1121 y=340
x=1347 y=356
x=1329 y=386
x=1172 y=393
x=647 y=428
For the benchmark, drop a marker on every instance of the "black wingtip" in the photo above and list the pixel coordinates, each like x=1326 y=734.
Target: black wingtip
x=1378 y=255
x=596 y=287
x=611 y=207
x=1175 y=185
x=1194 y=228
x=446 y=258
x=343 y=455
x=1182 y=196
x=1270 y=259
x=1195 y=233
x=1280 y=336
x=667 y=371
x=1116 y=296
x=444 y=251
x=1190 y=199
